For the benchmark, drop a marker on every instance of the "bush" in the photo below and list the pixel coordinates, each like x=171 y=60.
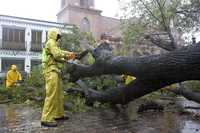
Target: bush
x=35 y=78
x=30 y=89
x=78 y=103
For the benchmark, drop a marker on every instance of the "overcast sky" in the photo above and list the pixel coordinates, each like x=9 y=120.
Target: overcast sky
x=47 y=9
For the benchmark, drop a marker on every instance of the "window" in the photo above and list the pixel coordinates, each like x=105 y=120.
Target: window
x=6 y=63
x=36 y=37
x=91 y=3
x=46 y=36
x=85 y=25
x=84 y=3
x=62 y=3
x=14 y=35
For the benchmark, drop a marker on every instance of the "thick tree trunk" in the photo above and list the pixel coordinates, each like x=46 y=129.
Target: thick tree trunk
x=152 y=72
x=187 y=93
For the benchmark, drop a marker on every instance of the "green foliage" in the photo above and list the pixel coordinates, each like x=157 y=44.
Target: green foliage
x=156 y=12
x=97 y=105
x=16 y=94
x=188 y=16
x=143 y=17
x=90 y=59
x=89 y=37
x=78 y=103
x=131 y=33
x=162 y=91
x=152 y=96
x=5 y=93
x=35 y=78
x=158 y=15
x=71 y=41
x=101 y=83
x=30 y=90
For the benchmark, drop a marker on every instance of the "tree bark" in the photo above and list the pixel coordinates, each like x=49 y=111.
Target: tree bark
x=188 y=94
x=164 y=44
x=151 y=72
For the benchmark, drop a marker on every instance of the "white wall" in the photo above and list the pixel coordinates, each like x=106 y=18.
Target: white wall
x=1 y=36
x=28 y=25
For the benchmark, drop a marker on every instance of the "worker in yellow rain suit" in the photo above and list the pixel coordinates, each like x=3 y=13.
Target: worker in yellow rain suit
x=127 y=79
x=12 y=76
x=53 y=59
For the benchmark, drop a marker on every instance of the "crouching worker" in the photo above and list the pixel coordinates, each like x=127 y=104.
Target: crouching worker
x=53 y=59
x=12 y=77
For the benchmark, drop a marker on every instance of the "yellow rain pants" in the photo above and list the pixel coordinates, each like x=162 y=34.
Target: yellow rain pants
x=54 y=101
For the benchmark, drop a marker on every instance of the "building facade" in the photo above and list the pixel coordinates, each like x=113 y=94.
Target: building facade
x=21 y=41
x=83 y=14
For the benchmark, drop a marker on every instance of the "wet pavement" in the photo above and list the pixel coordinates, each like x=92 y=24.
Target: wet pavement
x=26 y=119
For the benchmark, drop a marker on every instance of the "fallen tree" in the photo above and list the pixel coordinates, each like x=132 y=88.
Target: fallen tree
x=151 y=72
x=187 y=93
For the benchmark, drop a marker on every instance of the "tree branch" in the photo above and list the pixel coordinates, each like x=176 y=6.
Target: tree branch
x=187 y=93
x=160 y=42
x=150 y=12
x=151 y=72
x=165 y=25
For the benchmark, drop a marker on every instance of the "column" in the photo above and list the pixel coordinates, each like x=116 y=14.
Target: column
x=0 y=65
x=27 y=64
x=43 y=37
x=1 y=35
x=28 y=39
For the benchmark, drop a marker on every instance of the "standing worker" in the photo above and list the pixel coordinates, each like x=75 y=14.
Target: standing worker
x=12 y=77
x=53 y=59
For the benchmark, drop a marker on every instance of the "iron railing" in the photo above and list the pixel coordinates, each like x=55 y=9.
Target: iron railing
x=36 y=47
x=8 y=45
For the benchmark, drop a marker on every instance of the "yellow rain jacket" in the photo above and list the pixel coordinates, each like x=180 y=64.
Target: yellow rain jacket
x=127 y=79
x=12 y=76
x=53 y=56
x=52 y=60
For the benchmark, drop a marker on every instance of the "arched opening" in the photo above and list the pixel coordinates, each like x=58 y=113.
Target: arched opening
x=85 y=25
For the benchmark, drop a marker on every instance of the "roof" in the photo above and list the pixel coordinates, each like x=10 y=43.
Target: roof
x=35 y=20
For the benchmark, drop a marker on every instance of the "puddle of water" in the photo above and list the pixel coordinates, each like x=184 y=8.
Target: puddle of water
x=191 y=127
x=23 y=119
x=187 y=103
x=168 y=121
